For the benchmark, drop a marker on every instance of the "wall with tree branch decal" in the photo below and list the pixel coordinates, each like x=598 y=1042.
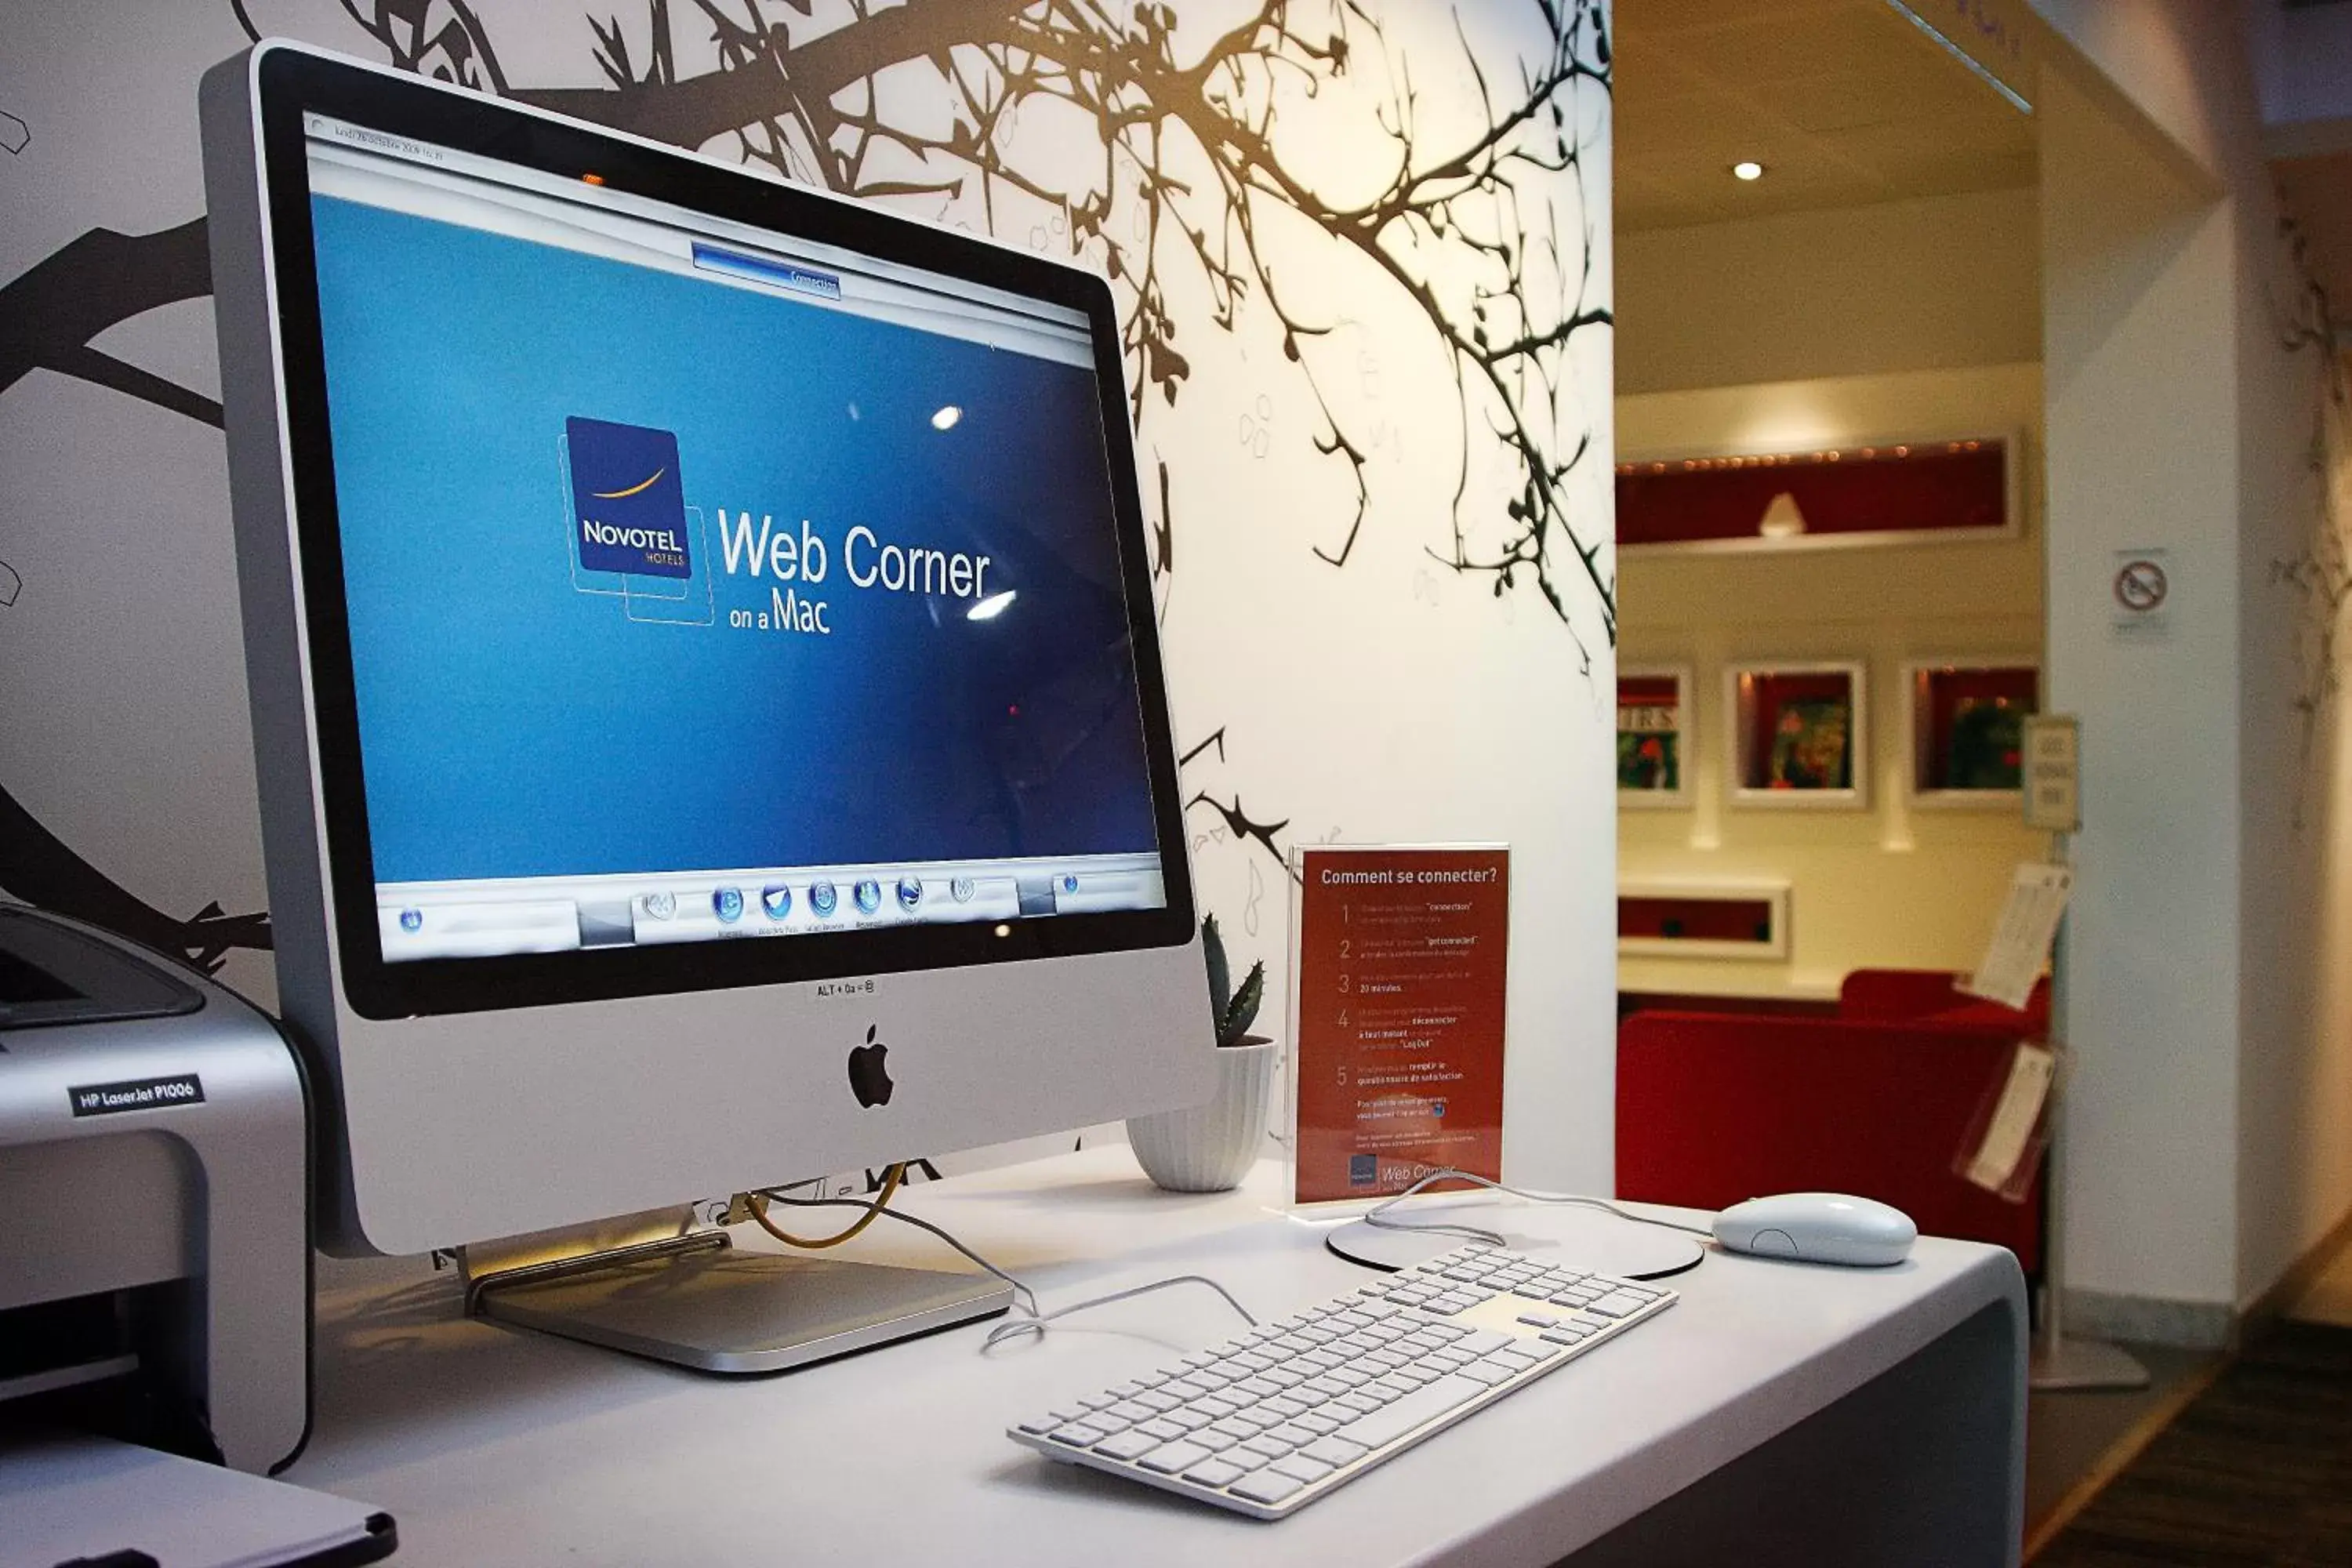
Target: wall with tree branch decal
x=1361 y=254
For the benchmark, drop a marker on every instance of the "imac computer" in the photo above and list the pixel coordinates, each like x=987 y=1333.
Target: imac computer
x=710 y=718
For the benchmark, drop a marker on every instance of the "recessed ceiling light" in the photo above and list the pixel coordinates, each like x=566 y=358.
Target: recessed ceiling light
x=1748 y=169
x=946 y=418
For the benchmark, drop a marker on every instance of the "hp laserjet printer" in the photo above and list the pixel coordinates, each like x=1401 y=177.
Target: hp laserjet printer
x=154 y=1220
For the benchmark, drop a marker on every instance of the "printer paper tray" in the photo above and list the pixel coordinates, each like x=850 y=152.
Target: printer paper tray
x=69 y=1497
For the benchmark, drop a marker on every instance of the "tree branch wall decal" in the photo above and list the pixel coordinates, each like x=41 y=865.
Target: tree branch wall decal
x=1184 y=164
x=2320 y=575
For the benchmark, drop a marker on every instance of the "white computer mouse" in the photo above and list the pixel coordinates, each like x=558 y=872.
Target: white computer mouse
x=1819 y=1227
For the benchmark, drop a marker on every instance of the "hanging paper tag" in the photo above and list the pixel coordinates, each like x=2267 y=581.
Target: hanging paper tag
x=2021 y=943
x=2015 y=1119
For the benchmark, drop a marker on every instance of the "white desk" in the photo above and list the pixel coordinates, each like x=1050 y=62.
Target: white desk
x=1781 y=1413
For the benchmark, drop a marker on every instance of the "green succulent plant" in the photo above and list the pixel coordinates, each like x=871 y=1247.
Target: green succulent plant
x=1233 y=1012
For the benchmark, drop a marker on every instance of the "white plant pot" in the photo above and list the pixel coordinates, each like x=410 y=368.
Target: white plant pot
x=1208 y=1148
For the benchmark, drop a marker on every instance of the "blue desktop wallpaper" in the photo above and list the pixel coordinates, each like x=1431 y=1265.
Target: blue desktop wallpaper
x=523 y=714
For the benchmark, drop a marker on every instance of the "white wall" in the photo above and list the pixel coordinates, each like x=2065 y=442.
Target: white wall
x=2211 y=1139
x=2142 y=430
x=1395 y=698
x=1898 y=884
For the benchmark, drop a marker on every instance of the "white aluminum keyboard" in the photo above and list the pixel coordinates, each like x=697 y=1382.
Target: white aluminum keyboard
x=1265 y=1424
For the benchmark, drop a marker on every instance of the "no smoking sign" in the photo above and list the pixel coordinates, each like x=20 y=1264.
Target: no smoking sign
x=2142 y=592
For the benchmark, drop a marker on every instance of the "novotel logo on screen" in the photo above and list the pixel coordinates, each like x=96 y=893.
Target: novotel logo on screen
x=628 y=507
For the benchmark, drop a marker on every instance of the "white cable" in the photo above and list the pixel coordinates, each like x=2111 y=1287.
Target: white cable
x=1491 y=1238
x=1035 y=1320
x=1035 y=1323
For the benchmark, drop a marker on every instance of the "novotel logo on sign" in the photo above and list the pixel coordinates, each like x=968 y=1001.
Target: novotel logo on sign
x=627 y=503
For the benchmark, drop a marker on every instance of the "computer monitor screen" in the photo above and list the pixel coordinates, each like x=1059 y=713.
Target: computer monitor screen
x=637 y=553
x=705 y=582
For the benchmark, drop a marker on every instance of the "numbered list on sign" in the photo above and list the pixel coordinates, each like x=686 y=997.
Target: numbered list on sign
x=1400 y=974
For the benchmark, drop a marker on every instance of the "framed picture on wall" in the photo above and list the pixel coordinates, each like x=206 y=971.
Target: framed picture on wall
x=1799 y=735
x=1968 y=729
x=1654 y=735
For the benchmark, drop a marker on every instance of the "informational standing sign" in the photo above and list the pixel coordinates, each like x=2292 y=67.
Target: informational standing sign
x=2053 y=773
x=1398 y=972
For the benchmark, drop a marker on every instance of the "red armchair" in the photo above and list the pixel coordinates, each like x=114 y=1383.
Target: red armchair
x=1713 y=1109
x=1889 y=994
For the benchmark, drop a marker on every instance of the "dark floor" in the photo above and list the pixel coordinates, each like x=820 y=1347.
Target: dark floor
x=2067 y=1436
x=2255 y=1473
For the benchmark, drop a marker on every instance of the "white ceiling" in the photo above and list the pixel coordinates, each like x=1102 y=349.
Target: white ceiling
x=1843 y=101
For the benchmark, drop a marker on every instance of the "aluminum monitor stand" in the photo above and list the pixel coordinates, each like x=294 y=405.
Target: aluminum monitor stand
x=697 y=1300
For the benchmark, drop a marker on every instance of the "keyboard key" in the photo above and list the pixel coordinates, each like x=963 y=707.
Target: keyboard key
x=1482 y=1341
x=1393 y=1421
x=1186 y=1388
x=1215 y=1473
x=1255 y=1388
x=1538 y=1320
x=1038 y=1426
x=1128 y=1410
x=1321 y=1422
x=1618 y=1305
x=1174 y=1457
x=1078 y=1435
x=1191 y=1420
x=1209 y=1437
x=1266 y=1448
x=1215 y=1406
x=1358 y=1402
x=1098 y=1401
x=1160 y=1429
x=1127 y=1446
x=1486 y=1372
x=1268 y=1486
x=1124 y=1390
x=1232 y=1428
x=1299 y=1467
x=1335 y=1451
x=1567 y=1335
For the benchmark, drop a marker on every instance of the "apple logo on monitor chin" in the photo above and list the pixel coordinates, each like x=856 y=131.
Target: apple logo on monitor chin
x=869 y=1080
